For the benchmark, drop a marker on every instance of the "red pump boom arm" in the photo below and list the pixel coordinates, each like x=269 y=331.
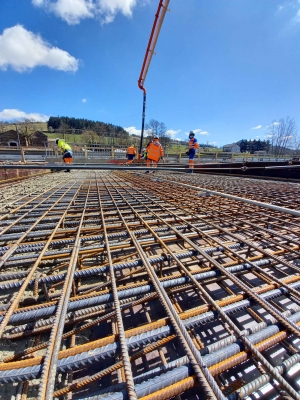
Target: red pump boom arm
x=157 y=24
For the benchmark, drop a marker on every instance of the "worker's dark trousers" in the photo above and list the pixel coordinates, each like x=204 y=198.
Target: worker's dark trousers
x=192 y=153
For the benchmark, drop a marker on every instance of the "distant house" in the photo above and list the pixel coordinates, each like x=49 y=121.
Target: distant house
x=232 y=148
x=38 y=139
x=11 y=138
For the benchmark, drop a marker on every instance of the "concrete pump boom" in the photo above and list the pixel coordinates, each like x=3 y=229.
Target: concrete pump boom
x=157 y=24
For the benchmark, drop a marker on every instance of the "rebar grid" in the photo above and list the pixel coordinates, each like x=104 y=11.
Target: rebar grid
x=262 y=190
x=177 y=290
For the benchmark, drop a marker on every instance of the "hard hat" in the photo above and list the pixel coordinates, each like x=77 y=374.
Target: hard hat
x=155 y=137
x=192 y=133
x=56 y=140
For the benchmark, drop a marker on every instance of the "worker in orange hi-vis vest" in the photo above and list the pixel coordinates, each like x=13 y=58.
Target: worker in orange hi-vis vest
x=154 y=152
x=193 y=146
x=131 y=152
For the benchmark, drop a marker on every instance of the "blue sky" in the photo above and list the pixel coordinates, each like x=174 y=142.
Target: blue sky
x=226 y=69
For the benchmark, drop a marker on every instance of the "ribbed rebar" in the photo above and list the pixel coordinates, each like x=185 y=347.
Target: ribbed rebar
x=209 y=281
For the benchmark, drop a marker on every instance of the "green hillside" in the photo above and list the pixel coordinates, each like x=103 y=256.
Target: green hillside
x=36 y=126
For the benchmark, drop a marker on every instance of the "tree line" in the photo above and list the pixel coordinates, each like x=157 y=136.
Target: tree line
x=250 y=146
x=281 y=139
x=95 y=131
x=80 y=125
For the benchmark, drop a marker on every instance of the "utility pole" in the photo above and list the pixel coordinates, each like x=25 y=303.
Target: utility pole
x=20 y=147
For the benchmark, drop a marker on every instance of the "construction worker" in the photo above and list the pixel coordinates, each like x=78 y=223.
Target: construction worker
x=193 y=146
x=144 y=152
x=131 y=152
x=66 y=150
x=154 y=152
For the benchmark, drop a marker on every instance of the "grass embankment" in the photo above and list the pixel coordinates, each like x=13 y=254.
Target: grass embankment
x=35 y=126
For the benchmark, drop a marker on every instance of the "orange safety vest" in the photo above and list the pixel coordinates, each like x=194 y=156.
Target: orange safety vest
x=155 y=151
x=131 y=150
x=193 y=144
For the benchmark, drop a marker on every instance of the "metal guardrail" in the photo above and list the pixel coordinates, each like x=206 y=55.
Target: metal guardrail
x=107 y=152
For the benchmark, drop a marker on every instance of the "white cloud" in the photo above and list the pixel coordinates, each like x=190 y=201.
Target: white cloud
x=294 y=6
x=197 y=132
x=297 y=16
x=257 y=127
x=73 y=11
x=286 y=137
x=133 y=131
x=273 y=124
x=24 y=50
x=172 y=133
x=83 y=100
x=14 y=114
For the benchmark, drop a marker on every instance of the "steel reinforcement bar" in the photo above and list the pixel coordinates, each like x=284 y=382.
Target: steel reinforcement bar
x=136 y=285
